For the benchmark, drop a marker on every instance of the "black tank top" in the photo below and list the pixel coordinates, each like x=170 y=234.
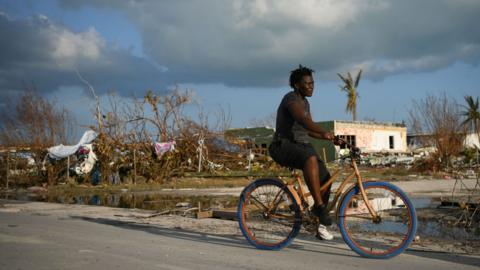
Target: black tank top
x=286 y=126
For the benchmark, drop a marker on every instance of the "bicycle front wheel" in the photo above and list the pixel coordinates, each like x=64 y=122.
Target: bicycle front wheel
x=268 y=215
x=388 y=235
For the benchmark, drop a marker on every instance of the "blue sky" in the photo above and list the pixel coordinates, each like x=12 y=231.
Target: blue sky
x=112 y=25
x=238 y=54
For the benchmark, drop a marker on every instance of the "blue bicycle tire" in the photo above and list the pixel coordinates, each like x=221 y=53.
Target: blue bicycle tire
x=243 y=215
x=344 y=219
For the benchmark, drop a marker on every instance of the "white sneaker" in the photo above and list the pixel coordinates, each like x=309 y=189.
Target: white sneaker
x=323 y=234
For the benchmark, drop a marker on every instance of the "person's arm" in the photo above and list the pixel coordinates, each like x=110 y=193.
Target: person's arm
x=297 y=111
x=325 y=136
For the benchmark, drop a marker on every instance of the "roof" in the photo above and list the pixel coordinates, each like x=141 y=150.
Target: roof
x=257 y=133
x=371 y=123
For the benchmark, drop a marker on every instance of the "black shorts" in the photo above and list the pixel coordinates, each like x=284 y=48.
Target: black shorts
x=291 y=154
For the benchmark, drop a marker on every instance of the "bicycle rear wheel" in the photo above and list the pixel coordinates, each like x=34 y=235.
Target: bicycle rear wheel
x=386 y=237
x=268 y=215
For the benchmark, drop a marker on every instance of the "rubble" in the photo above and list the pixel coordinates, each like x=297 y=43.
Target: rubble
x=465 y=203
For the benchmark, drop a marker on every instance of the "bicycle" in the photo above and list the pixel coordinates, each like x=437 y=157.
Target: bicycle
x=376 y=219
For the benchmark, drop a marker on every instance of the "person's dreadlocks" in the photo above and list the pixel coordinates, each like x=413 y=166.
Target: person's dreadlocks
x=296 y=75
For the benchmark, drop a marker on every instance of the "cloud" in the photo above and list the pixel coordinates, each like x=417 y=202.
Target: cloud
x=255 y=43
x=73 y=47
x=36 y=52
x=240 y=43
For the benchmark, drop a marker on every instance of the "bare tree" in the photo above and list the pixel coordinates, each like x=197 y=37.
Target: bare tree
x=36 y=122
x=439 y=119
x=267 y=121
x=167 y=112
x=224 y=119
x=32 y=122
x=131 y=129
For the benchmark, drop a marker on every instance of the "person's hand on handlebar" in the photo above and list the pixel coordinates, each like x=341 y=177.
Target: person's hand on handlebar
x=329 y=136
x=337 y=141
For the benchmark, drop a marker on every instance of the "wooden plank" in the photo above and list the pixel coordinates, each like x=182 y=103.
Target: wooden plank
x=459 y=204
x=225 y=214
x=204 y=214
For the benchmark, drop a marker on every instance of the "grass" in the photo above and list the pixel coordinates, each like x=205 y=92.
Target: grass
x=178 y=183
x=208 y=182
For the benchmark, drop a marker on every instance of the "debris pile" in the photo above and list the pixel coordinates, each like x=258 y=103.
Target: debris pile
x=467 y=201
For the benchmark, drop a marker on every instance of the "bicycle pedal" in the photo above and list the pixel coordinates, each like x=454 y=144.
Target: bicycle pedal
x=310 y=228
x=311 y=224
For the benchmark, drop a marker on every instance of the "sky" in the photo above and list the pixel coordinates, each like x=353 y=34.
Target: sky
x=237 y=55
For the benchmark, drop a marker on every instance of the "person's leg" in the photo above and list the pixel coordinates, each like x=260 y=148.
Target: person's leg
x=324 y=176
x=301 y=156
x=312 y=178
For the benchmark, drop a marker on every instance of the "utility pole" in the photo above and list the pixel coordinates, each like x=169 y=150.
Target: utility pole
x=68 y=168
x=200 y=156
x=8 y=157
x=134 y=167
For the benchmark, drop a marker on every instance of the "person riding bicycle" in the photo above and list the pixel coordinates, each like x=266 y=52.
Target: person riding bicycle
x=291 y=145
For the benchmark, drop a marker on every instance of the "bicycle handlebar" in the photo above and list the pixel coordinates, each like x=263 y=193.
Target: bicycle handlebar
x=354 y=151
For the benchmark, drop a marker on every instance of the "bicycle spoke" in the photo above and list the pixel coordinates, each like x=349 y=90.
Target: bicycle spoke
x=278 y=199
x=377 y=237
x=257 y=202
x=272 y=222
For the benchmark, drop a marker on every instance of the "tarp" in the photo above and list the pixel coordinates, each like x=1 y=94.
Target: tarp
x=63 y=151
x=86 y=165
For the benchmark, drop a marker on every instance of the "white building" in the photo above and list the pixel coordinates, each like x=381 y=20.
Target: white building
x=370 y=137
x=472 y=140
x=373 y=136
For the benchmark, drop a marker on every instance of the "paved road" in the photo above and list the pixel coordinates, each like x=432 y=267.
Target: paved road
x=48 y=241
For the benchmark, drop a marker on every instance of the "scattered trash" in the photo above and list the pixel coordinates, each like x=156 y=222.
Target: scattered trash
x=164 y=147
x=63 y=151
x=86 y=159
x=183 y=205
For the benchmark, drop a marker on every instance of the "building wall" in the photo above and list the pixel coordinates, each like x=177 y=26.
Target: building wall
x=381 y=141
x=370 y=137
x=374 y=137
x=472 y=140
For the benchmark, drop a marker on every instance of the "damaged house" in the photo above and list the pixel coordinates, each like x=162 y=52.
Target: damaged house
x=471 y=140
x=257 y=139
x=370 y=137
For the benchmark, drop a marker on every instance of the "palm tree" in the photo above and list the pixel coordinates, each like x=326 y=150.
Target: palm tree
x=350 y=87
x=472 y=115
